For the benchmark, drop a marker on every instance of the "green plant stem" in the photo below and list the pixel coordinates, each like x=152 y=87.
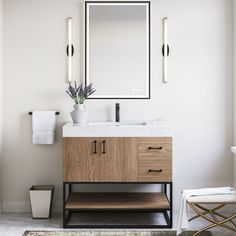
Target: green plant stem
x=81 y=100
x=76 y=100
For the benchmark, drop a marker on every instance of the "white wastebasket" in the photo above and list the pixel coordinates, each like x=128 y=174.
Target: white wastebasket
x=41 y=201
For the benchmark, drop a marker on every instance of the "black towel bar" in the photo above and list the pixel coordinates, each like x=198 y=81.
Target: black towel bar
x=57 y=113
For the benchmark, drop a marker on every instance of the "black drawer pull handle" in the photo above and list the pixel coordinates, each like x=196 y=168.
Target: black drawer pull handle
x=103 y=146
x=95 y=146
x=157 y=148
x=150 y=170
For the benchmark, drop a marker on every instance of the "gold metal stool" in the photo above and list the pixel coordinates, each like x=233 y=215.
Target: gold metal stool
x=215 y=218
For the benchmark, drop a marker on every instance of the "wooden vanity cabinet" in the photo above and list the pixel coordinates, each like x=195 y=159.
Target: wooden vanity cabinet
x=117 y=160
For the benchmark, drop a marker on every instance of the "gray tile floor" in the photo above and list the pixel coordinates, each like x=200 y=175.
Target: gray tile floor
x=14 y=224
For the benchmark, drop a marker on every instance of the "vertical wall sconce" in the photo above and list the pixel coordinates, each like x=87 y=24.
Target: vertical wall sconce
x=165 y=50
x=69 y=49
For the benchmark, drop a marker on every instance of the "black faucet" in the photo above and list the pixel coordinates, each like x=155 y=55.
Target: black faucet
x=117 y=112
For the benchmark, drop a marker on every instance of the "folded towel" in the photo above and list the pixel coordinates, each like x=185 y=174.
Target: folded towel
x=43 y=137
x=44 y=121
x=43 y=127
x=182 y=222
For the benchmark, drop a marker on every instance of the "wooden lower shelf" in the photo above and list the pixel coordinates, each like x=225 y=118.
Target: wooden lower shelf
x=117 y=201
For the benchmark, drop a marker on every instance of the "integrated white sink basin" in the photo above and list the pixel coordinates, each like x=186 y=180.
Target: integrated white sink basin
x=118 y=129
x=124 y=123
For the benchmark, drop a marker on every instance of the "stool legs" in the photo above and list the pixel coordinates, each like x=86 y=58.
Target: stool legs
x=214 y=220
x=206 y=210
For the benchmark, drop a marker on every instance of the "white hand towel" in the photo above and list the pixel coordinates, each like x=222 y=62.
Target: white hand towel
x=43 y=127
x=182 y=222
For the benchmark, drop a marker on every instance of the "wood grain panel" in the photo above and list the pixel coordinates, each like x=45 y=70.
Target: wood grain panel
x=79 y=162
x=119 y=163
x=155 y=146
x=130 y=147
x=106 y=201
x=161 y=164
x=144 y=140
x=113 y=161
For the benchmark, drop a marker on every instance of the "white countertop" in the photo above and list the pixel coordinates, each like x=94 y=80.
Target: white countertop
x=110 y=129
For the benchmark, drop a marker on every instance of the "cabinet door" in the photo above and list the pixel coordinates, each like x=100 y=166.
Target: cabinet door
x=100 y=159
x=81 y=162
x=119 y=159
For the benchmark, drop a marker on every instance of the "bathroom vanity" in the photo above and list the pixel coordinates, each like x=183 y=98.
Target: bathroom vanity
x=117 y=153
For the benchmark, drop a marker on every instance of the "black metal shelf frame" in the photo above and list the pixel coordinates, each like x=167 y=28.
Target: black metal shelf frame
x=167 y=189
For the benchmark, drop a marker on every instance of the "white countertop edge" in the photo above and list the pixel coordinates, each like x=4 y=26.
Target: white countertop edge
x=118 y=136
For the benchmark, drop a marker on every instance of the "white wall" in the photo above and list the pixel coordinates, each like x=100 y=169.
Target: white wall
x=234 y=85
x=1 y=103
x=197 y=99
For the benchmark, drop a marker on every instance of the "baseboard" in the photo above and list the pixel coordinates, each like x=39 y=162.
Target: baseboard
x=24 y=206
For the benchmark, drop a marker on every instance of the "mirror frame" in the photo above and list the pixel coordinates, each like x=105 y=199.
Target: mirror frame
x=148 y=94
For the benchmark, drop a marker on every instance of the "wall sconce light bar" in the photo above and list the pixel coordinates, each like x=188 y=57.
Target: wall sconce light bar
x=69 y=48
x=165 y=50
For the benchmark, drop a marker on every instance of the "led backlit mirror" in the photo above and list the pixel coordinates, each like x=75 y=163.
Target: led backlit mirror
x=117 y=49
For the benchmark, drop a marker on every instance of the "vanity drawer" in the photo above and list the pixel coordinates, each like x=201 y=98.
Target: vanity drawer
x=155 y=170
x=151 y=147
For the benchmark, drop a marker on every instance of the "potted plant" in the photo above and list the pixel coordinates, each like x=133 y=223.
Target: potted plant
x=79 y=94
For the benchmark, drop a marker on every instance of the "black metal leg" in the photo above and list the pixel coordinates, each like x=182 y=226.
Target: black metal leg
x=67 y=218
x=70 y=187
x=171 y=205
x=164 y=185
x=66 y=214
x=64 y=199
x=169 y=217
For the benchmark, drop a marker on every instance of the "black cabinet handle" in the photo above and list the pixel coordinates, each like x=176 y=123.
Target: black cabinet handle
x=150 y=170
x=103 y=146
x=95 y=146
x=157 y=148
